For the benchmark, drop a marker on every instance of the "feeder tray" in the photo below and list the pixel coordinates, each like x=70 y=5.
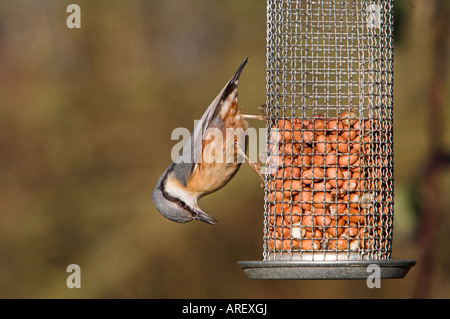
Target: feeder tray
x=329 y=188
x=389 y=269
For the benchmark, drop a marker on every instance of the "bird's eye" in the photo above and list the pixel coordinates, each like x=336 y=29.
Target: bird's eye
x=182 y=204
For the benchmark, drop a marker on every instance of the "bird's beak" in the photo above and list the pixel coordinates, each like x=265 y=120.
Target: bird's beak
x=202 y=216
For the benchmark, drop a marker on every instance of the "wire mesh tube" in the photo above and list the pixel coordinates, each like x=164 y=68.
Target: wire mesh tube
x=329 y=179
x=329 y=188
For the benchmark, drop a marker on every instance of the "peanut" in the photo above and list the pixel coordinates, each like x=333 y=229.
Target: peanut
x=295 y=212
x=291 y=186
x=339 y=244
x=296 y=132
x=317 y=234
x=301 y=135
x=275 y=136
x=348 y=118
x=278 y=208
x=285 y=127
x=356 y=143
x=352 y=199
x=304 y=160
x=312 y=174
x=349 y=135
x=304 y=197
x=335 y=229
x=337 y=209
x=290 y=148
x=322 y=199
x=337 y=142
x=276 y=184
x=296 y=172
x=343 y=145
x=358 y=125
x=286 y=232
x=352 y=229
x=275 y=243
x=321 y=186
x=354 y=244
x=322 y=145
x=286 y=244
x=297 y=231
x=350 y=184
x=322 y=220
x=335 y=176
x=331 y=159
x=319 y=126
x=347 y=160
x=307 y=221
x=276 y=196
x=334 y=126
x=287 y=160
x=318 y=160
x=309 y=244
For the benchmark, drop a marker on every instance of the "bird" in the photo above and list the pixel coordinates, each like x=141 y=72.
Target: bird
x=184 y=182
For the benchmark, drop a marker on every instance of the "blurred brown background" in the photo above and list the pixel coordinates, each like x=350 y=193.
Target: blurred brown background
x=85 y=122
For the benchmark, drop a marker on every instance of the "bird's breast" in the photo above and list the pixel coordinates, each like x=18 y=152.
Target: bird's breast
x=211 y=177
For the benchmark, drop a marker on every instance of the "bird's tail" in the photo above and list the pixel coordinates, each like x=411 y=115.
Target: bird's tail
x=233 y=83
x=236 y=76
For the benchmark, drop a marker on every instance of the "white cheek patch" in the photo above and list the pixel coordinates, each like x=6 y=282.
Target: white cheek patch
x=174 y=189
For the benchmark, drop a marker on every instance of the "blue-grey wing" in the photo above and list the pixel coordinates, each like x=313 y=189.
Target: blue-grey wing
x=192 y=150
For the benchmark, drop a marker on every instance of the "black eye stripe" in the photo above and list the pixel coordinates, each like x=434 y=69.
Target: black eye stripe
x=175 y=200
x=180 y=203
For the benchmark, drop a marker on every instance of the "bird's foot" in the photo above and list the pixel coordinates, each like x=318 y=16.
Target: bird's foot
x=254 y=117
x=263 y=117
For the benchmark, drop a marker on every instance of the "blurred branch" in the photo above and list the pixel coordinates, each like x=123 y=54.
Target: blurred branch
x=430 y=214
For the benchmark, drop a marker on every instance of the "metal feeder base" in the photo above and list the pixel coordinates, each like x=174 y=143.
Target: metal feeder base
x=389 y=269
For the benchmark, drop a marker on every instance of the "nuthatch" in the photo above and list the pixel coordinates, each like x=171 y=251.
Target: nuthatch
x=180 y=187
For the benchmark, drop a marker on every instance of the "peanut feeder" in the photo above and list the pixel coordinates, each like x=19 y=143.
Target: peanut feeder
x=329 y=187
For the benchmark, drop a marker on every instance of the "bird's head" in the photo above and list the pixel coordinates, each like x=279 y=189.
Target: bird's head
x=176 y=203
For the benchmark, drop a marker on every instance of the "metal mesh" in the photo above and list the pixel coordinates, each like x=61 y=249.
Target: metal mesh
x=329 y=169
